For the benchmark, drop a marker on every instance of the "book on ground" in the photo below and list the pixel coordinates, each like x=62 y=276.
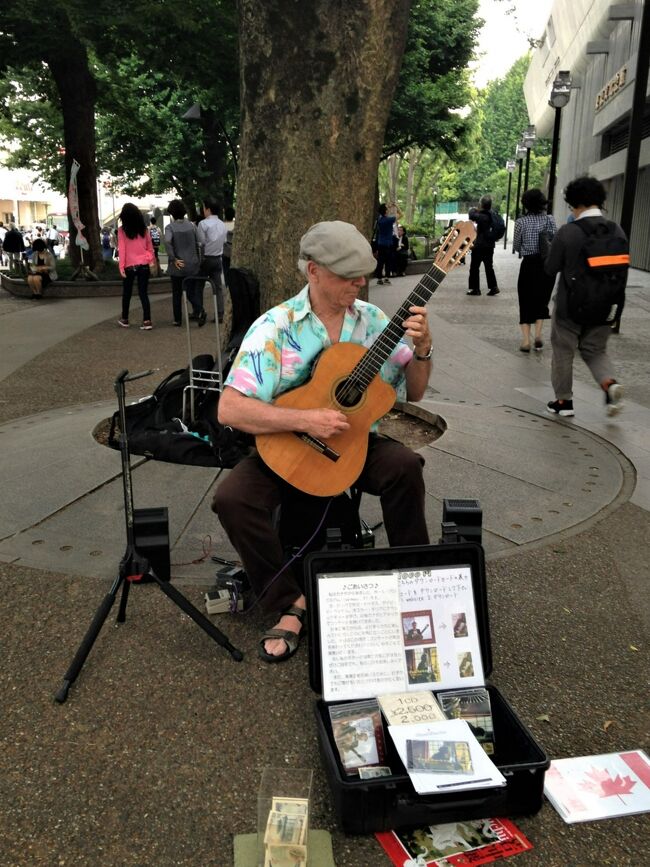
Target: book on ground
x=585 y=788
x=444 y=845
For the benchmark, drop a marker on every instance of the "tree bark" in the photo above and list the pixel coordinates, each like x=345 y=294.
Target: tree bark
x=317 y=82
x=68 y=63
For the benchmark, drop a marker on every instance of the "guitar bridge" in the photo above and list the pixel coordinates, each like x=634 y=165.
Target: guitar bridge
x=319 y=446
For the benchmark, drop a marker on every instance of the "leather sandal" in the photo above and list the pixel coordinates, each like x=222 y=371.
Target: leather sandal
x=291 y=639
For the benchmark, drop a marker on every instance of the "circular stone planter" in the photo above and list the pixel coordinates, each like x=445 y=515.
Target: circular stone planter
x=80 y=288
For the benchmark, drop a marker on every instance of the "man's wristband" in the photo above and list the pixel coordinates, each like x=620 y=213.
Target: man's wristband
x=426 y=357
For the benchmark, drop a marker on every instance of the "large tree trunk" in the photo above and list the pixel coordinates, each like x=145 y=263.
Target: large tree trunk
x=317 y=82
x=68 y=63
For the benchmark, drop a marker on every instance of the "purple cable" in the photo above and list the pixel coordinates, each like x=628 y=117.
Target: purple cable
x=233 y=604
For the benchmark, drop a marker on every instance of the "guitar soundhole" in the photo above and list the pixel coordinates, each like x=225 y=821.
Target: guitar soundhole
x=347 y=393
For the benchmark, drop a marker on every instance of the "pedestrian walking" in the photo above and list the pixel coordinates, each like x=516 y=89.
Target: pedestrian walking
x=586 y=197
x=488 y=227
x=534 y=285
x=135 y=256
x=14 y=246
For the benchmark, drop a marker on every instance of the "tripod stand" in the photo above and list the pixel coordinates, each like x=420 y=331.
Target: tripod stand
x=133 y=567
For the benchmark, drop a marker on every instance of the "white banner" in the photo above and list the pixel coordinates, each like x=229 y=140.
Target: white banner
x=73 y=204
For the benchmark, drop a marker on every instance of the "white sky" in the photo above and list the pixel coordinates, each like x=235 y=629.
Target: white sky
x=502 y=39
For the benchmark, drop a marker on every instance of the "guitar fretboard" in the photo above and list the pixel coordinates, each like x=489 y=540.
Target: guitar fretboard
x=371 y=363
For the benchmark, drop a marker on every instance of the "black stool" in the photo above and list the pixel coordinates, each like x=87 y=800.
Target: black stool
x=332 y=521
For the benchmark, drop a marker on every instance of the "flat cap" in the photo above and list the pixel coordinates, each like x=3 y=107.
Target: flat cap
x=340 y=247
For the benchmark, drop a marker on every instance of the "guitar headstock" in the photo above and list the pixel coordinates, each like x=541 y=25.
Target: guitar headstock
x=455 y=244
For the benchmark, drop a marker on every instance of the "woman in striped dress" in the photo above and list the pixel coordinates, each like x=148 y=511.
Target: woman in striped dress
x=534 y=286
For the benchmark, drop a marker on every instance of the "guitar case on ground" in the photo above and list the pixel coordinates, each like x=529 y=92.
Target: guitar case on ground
x=383 y=803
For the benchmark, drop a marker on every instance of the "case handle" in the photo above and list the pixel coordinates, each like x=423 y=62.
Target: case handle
x=406 y=803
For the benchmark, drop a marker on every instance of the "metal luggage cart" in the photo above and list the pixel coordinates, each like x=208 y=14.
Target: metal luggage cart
x=201 y=380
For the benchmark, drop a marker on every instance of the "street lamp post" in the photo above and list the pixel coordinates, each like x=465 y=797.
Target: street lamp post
x=510 y=167
x=528 y=140
x=560 y=96
x=520 y=153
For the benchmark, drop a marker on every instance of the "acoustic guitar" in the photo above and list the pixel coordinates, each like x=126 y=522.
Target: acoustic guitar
x=346 y=378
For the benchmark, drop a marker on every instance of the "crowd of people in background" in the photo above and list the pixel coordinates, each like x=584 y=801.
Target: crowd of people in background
x=17 y=244
x=196 y=252
x=200 y=251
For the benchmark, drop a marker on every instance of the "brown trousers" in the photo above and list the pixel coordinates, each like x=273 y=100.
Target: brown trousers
x=247 y=498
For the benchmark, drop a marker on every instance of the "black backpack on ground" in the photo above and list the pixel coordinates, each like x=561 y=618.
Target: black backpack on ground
x=596 y=290
x=154 y=427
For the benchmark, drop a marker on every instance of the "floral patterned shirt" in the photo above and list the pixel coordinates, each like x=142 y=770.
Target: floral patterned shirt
x=279 y=349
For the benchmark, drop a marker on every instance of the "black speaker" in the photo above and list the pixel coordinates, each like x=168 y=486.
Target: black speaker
x=151 y=533
x=467 y=515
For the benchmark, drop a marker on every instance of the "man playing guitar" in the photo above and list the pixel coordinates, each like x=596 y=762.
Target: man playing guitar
x=276 y=356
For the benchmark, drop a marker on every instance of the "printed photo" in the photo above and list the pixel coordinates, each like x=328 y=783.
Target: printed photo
x=465 y=664
x=422 y=665
x=472 y=705
x=439 y=757
x=417 y=627
x=356 y=742
x=459 y=623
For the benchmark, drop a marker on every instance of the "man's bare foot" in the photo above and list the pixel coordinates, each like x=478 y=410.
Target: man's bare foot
x=289 y=622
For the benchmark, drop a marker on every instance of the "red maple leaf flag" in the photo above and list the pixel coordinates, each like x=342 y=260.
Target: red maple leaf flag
x=584 y=788
x=599 y=782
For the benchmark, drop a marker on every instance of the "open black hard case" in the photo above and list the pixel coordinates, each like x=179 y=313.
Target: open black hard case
x=386 y=803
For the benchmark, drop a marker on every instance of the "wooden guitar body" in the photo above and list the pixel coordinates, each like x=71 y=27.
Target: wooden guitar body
x=326 y=468
x=347 y=378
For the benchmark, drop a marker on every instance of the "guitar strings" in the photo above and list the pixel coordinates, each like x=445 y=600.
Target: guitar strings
x=367 y=368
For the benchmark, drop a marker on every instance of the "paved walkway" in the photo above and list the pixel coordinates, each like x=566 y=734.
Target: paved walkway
x=534 y=476
x=156 y=757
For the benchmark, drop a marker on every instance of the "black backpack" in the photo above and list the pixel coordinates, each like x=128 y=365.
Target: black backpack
x=154 y=429
x=596 y=290
x=497 y=228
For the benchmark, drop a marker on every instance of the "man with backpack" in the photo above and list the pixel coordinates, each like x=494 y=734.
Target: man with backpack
x=489 y=229
x=591 y=254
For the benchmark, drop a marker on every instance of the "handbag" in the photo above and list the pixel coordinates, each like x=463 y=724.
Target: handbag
x=544 y=239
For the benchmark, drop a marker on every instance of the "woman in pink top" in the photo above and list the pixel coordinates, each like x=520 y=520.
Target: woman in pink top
x=135 y=254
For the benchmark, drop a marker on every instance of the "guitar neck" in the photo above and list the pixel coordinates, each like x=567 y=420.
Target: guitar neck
x=371 y=363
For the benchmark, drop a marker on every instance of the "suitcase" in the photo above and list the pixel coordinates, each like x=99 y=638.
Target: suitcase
x=385 y=803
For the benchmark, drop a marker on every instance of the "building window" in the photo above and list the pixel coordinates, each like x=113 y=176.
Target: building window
x=616 y=139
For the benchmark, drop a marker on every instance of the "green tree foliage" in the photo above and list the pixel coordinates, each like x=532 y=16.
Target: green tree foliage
x=151 y=60
x=156 y=60
x=30 y=117
x=434 y=83
x=66 y=57
x=501 y=118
